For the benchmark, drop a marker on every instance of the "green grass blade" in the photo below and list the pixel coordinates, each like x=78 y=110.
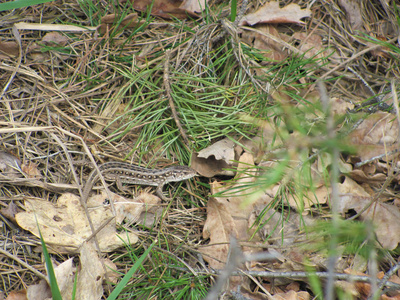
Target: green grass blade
x=55 y=291
x=128 y=275
x=20 y=3
x=233 y=10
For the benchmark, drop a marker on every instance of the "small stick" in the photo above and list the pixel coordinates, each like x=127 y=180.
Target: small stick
x=170 y=100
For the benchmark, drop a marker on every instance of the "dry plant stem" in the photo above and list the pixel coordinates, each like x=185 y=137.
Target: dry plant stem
x=235 y=258
x=21 y=262
x=329 y=289
x=240 y=15
x=269 y=296
x=362 y=80
x=385 y=279
x=372 y=262
x=169 y=96
x=304 y=275
x=395 y=104
x=367 y=161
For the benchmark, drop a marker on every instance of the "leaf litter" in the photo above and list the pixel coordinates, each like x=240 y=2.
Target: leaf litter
x=259 y=214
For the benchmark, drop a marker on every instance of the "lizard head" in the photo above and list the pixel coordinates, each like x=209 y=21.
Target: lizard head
x=179 y=173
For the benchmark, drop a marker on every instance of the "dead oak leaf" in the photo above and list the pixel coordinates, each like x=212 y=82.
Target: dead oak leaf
x=272 y=13
x=228 y=215
x=87 y=284
x=64 y=225
x=218 y=228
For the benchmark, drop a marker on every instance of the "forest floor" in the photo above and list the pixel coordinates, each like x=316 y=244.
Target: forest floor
x=287 y=111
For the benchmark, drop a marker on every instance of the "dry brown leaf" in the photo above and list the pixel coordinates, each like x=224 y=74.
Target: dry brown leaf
x=130 y=21
x=40 y=291
x=376 y=135
x=214 y=159
x=31 y=170
x=384 y=216
x=9 y=49
x=91 y=274
x=353 y=13
x=17 y=295
x=9 y=165
x=65 y=275
x=194 y=6
x=339 y=106
x=292 y=295
x=273 y=50
x=272 y=13
x=312 y=46
x=144 y=209
x=229 y=215
x=56 y=38
x=170 y=8
x=219 y=227
x=64 y=225
x=89 y=280
x=10 y=211
x=362 y=176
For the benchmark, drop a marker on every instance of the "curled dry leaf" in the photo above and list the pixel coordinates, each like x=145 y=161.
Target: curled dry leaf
x=40 y=291
x=270 y=12
x=64 y=225
x=362 y=176
x=292 y=295
x=214 y=159
x=65 y=275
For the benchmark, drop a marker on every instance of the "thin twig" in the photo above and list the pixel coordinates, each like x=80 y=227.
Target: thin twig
x=299 y=275
x=170 y=100
x=330 y=126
